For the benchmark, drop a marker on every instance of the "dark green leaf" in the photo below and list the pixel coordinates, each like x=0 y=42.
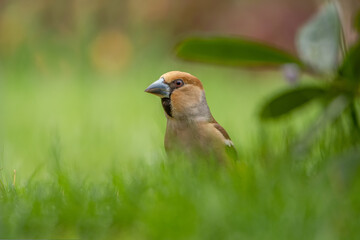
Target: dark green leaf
x=350 y=68
x=357 y=21
x=232 y=51
x=290 y=100
x=318 y=41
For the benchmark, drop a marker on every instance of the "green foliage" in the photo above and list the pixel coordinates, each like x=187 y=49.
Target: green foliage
x=290 y=100
x=357 y=21
x=178 y=199
x=181 y=201
x=318 y=44
x=347 y=166
x=232 y=51
x=332 y=111
x=350 y=69
x=90 y=164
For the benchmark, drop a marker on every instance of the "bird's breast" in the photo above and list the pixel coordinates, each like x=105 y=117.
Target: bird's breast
x=192 y=137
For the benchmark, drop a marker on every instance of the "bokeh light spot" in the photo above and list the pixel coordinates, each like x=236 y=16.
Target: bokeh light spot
x=111 y=51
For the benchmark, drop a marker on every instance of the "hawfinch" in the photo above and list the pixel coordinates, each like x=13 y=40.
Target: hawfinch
x=191 y=128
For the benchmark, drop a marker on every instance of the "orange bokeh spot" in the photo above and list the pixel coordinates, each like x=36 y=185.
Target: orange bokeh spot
x=110 y=51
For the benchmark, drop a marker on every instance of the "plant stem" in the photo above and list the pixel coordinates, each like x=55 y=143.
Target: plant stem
x=354 y=117
x=343 y=45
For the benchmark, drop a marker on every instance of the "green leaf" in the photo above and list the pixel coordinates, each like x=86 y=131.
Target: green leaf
x=318 y=42
x=350 y=69
x=332 y=112
x=345 y=167
x=357 y=22
x=290 y=100
x=232 y=51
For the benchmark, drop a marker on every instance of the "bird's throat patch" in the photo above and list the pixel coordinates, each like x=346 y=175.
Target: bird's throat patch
x=166 y=103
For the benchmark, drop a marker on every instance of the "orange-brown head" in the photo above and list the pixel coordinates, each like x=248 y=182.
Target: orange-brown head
x=182 y=96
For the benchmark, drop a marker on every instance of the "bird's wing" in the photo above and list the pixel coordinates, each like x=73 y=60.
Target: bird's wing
x=229 y=146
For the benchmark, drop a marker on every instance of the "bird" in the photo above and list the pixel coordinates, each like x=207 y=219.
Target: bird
x=191 y=128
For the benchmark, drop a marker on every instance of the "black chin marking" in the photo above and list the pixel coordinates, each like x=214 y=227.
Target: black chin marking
x=166 y=103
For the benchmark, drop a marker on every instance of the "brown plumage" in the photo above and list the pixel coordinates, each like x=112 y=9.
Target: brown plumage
x=191 y=128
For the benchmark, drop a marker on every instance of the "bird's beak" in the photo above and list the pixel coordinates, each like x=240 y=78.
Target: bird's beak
x=159 y=88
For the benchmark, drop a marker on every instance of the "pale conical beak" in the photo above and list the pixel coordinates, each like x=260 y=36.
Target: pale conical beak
x=159 y=88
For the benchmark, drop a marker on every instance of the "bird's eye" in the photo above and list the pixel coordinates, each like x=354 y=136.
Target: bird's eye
x=179 y=83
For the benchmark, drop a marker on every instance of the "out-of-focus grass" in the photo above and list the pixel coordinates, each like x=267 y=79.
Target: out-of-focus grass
x=89 y=160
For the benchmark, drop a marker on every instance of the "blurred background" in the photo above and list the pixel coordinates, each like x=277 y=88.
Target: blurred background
x=73 y=111
x=112 y=36
x=73 y=73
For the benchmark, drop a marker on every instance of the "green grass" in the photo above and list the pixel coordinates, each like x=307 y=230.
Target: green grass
x=89 y=159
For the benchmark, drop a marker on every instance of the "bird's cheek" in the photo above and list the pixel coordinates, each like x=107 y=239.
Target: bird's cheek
x=185 y=99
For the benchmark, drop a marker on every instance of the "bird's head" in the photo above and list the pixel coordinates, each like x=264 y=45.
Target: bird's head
x=182 y=96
